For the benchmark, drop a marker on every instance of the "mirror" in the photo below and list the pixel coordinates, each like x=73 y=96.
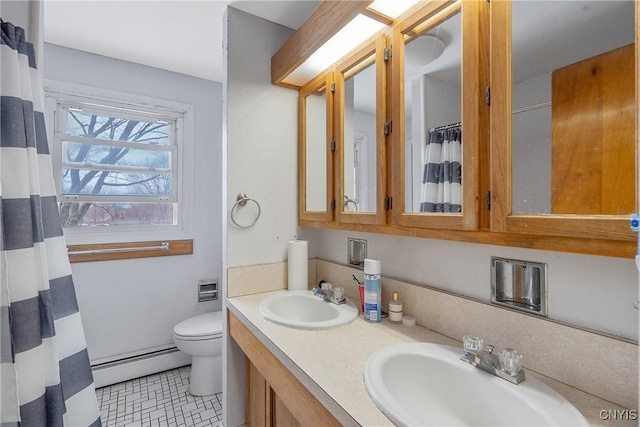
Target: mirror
x=360 y=138
x=360 y=114
x=432 y=120
x=573 y=107
x=315 y=149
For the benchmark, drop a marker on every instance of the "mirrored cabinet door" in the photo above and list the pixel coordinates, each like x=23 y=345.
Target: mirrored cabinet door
x=564 y=124
x=315 y=170
x=360 y=116
x=440 y=116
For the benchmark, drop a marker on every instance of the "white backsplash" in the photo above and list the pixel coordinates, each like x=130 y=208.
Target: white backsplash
x=587 y=291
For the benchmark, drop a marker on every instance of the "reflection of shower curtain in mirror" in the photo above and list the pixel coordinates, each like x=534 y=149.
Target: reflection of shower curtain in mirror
x=442 y=177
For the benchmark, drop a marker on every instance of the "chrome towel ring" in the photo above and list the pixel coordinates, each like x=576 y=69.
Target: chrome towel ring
x=241 y=200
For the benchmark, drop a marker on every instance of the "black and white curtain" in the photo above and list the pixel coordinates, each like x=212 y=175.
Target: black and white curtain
x=442 y=177
x=45 y=376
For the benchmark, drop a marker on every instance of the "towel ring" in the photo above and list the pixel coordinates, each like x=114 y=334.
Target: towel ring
x=241 y=200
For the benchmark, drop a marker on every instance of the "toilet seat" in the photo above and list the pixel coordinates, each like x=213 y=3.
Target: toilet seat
x=202 y=327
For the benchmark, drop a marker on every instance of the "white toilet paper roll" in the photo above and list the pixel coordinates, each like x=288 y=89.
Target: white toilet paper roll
x=298 y=278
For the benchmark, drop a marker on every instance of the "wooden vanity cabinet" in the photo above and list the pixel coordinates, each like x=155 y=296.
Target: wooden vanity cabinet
x=275 y=397
x=264 y=406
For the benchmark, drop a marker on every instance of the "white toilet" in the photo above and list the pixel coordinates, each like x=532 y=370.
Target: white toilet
x=201 y=337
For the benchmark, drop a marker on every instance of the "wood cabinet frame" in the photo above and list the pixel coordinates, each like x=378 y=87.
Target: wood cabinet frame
x=474 y=112
x=595 y=235
x=324 y=23
x=299 y=401
x=306 y=217
x=371 y=53
x=604 y=227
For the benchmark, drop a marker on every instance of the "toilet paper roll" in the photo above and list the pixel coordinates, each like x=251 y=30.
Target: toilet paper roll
x=298 y=279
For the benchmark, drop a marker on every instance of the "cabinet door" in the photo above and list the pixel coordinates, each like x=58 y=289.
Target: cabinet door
x=564 y=118
x=315 y=157
x=440 y=119
x=360 y=127
x=282 y=416
x=264 y=407
x=259 y=398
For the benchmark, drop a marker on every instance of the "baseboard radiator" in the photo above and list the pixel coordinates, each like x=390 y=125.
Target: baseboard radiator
x=128 y=367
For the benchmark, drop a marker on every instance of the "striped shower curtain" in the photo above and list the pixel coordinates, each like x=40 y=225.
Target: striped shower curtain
x=442 y=177
x=45 y=376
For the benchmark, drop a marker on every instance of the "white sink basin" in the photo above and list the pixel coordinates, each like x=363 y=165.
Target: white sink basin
x=303 y=310
x=423 y=384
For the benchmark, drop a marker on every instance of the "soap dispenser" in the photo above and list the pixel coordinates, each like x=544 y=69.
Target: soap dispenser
x=395 y=308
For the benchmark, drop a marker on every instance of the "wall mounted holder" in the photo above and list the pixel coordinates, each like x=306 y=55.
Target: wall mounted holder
x=521 y=285
x=357 y=249
x=207 y=290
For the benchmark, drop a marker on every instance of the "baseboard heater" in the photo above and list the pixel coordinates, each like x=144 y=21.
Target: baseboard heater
x=126 y=368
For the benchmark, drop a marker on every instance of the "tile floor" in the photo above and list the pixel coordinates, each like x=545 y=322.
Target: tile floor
x=161 y=400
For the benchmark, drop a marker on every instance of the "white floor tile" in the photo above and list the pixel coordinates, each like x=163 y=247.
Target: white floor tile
x=161 y=399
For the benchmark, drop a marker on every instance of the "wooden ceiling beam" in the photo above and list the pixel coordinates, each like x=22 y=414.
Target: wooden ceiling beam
x=324 y=23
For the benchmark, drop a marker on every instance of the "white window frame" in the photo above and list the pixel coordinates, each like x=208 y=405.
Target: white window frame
x=61 y=95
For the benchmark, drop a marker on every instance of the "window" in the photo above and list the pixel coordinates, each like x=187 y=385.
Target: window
x=117 y=167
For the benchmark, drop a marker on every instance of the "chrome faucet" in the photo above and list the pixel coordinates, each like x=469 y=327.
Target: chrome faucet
x=507 y=366
x=329 y=293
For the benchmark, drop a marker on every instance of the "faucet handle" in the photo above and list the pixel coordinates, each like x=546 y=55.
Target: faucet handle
x=510 y=361
x=472 y=342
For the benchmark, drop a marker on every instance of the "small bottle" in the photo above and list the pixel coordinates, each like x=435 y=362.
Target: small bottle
x=372 y=290
x=395 y=308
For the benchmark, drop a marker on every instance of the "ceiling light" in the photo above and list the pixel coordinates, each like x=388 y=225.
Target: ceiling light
x=425 y=49
x=348 y=38
x=392 y=8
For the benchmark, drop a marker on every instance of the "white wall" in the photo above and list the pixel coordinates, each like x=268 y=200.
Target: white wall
x=261 y=161
x=348 y=129
x=532 y=146
x=588 y=291
x=262 y=143
x=16 y=12
x=442 y=103
x=316 y=152
x=365 y=123
x=28 y=15
x=131 y=305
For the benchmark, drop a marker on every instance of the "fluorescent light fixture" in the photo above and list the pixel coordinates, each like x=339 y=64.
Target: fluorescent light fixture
x=348 y=38
x=392 y=8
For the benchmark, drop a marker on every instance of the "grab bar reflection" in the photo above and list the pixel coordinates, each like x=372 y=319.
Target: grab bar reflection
x=162 y=247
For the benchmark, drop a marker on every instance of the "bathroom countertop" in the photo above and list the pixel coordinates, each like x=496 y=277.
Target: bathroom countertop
x=331 y=362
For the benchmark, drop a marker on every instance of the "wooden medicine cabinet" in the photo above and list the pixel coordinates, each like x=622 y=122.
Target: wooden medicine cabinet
x=545 y=119
x=563 y=119
x=315 y=157
x=439 y=70
x=360 y=109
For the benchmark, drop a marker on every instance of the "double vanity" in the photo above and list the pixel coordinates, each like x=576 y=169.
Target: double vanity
x=345 y=371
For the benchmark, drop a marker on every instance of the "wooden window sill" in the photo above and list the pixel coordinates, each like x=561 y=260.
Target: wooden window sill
x=128 y=250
